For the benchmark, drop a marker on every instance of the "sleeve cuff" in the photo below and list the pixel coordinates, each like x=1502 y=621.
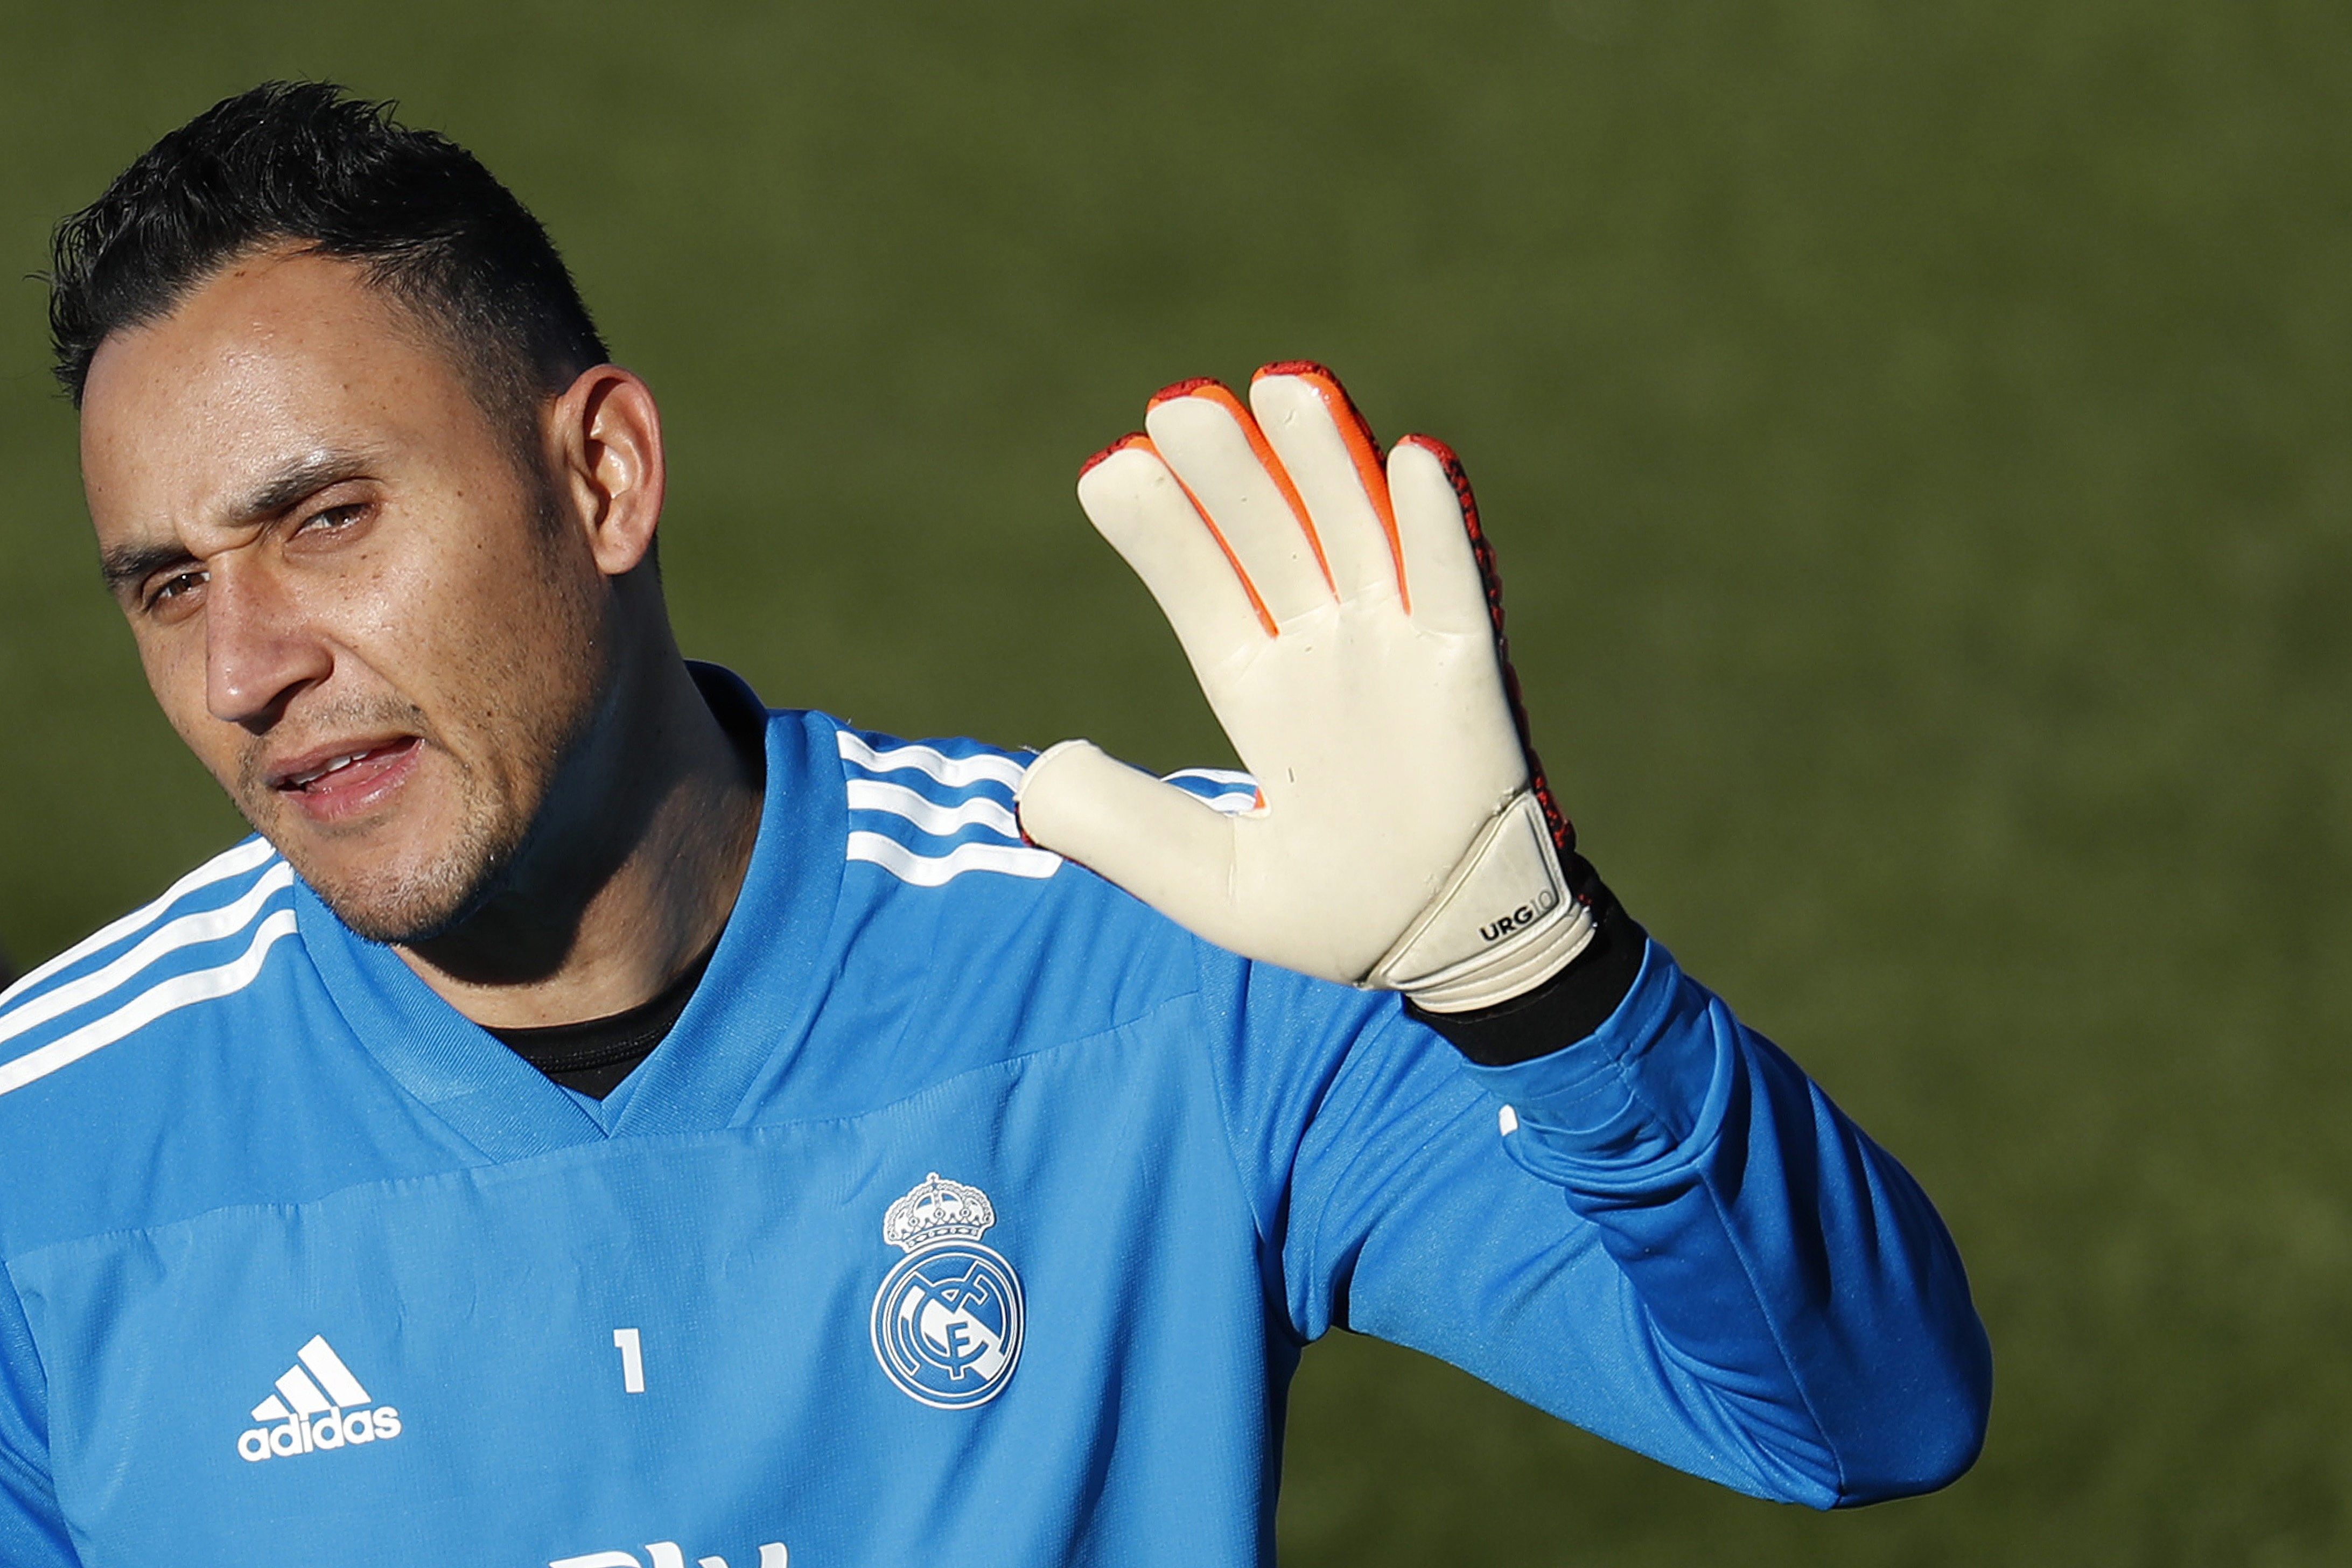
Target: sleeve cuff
x=1566 y=1008
x=1625 y=1101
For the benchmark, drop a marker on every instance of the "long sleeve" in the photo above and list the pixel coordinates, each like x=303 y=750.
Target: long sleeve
x=1671 y=1237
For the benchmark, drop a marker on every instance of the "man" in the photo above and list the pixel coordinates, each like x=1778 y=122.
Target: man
x=600 y=1122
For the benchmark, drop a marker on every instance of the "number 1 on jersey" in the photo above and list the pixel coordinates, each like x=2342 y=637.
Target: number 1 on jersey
x=632 y=1360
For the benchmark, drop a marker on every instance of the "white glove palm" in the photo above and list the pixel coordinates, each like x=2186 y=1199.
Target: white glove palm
x=1339 y=623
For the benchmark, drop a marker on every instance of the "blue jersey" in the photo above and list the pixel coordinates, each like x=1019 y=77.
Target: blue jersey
x=972 y=1213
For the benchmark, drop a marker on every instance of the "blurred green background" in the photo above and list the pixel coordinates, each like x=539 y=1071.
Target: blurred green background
x=1919 y=440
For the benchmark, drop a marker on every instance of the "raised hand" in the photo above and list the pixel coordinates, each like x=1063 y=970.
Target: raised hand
x=1342 y=619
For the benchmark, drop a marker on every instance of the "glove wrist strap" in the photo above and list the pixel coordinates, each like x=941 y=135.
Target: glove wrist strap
x=1504 y=922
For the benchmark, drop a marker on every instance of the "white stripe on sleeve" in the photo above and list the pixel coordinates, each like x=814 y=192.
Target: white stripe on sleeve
x=984 y=768
x=188 y=931
x=180 y=991
x=980 y=811
x=219 y=868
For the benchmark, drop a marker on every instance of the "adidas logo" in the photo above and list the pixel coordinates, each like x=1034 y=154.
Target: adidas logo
x=319 y=1405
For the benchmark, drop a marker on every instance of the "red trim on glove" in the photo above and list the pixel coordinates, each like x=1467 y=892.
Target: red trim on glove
x=1176 y=389
x=1132 y=438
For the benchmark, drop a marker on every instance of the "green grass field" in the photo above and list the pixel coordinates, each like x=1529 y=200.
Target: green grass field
x=1919 y=440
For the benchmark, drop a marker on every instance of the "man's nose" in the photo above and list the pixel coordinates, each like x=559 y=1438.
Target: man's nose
x=259 y=649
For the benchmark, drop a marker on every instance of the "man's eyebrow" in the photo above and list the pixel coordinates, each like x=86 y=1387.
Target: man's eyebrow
x=127 y=565
x=297 y=479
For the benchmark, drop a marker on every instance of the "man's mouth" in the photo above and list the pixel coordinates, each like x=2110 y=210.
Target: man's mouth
x=348 y=775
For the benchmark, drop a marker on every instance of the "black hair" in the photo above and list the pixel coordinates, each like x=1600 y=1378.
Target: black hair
x=306 y=165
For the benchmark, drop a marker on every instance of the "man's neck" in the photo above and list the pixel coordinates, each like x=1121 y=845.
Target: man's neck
x=629 y=879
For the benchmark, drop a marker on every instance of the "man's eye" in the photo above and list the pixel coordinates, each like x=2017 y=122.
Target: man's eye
x=176 y=586
x=334 y=517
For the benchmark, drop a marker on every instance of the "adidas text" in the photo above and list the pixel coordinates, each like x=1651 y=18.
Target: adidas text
x=319 y=1405
x=335 y=1430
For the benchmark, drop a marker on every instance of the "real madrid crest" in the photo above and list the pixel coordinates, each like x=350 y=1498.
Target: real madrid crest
x=948 y=1318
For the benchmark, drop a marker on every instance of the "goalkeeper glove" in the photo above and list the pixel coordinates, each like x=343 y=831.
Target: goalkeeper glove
x=1344 y=621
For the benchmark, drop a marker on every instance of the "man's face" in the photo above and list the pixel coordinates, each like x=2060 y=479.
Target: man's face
x=353 y=602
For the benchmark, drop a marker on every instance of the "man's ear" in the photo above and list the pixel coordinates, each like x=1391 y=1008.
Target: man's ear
x=605 y=438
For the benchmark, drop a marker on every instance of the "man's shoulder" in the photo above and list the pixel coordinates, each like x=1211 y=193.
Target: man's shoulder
x=928 y=812
x=168 y=967
x=955 y=944
x=936 y=863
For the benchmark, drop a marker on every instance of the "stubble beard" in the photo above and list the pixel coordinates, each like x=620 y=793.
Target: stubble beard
x=400 y=903
x=405 y=907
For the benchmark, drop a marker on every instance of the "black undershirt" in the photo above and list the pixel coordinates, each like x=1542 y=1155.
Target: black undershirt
x=594 y=1057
